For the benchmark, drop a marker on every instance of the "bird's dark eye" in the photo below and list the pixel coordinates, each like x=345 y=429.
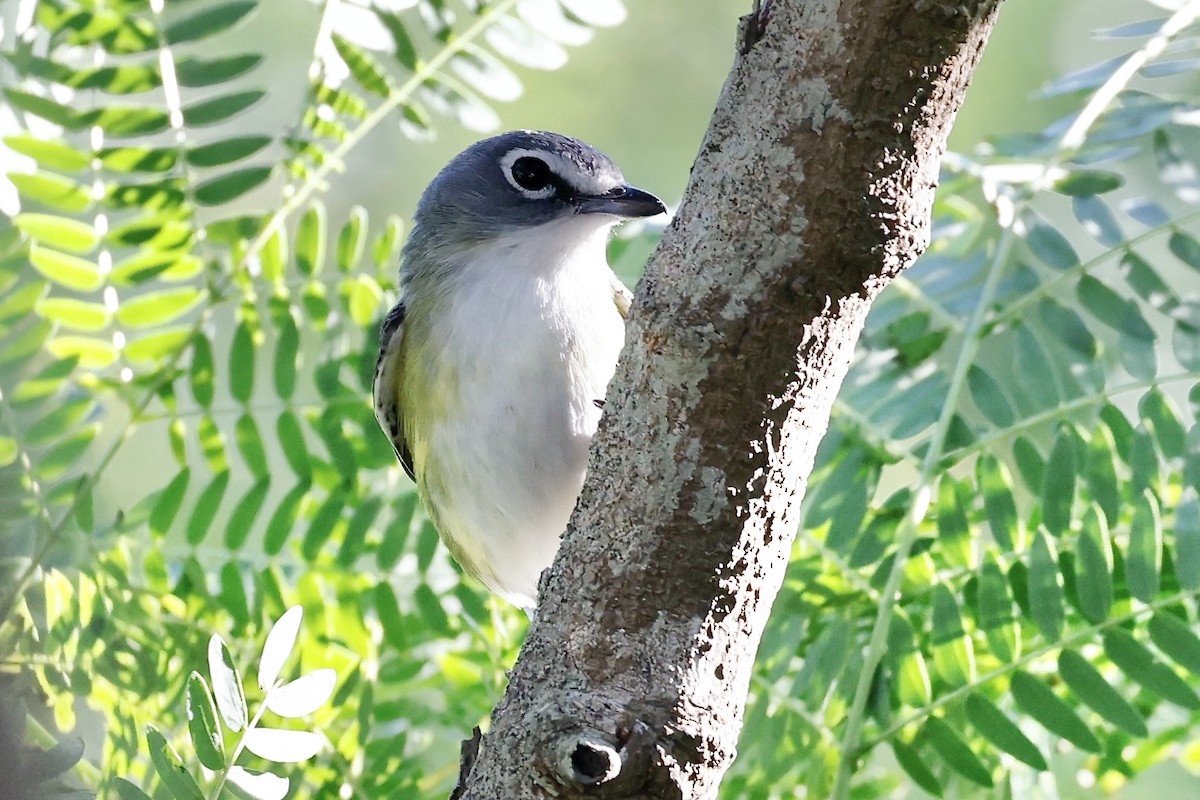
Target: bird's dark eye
x=531 y=173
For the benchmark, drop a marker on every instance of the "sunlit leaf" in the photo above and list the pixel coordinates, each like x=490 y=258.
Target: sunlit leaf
x=52 y=190
x=202 y=723
x=156 y=308
x=253 y=785
x=304 y=695
x=65 y=234
x=283 y=746
x=226 y=684
x=280 y=642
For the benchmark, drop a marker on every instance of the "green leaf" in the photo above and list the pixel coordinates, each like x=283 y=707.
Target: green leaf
x=989 y=397
x=910 y=761
x=1140 y=666
x=1186 y=248
x=63 y=233
x=170 y=768
x=396 y=535
x=1110 y=308
x=310 y=240
x=226 y=151
x=222 y=189
x=1047 y=243
x=9 y=450
x=1058 y=491
x=995 y=726
x=1094 y=566
x=1030 y=465
x=281 y=641
x=226 y=684
x=431 y=611
x=45 y=108
x=283 y=520
x=205 y=510
x=1038 y=701
x=352 y=240
x=157 y=308
x=78 y=314
x=1095 y=692
x=202 y=723
x=955 y=752
x=363 y=67
x=1176 y=638
x=355 y=538
x=1088 y=182
x=61 y=419
x=127 y=121
x=127 y=791
x=1101 y=473
x=241 y=363
x=196 y=72
x=158 y=346
x=169 y=502
x=233 y=592
x=1069 y=328
x=52 y=153
x=1097 y=219
x=1157 y=409
x=208 y=22
x=388 y=244
x=1045 y=588
x=1143 y=561
x=139 y=159
x=1187 y=541
x=323 y=522
x=291 y=440
x=365 y=300
x=212 y=444
x=1146 y=283
x=273 y=257
x=219 y=109
x=250 y=445
x=241 y=520
x=69 y=271
x=287 y=352
x=92 y=353
x=200 y=372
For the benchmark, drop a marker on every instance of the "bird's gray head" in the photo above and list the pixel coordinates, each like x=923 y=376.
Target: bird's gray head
x=520 y=180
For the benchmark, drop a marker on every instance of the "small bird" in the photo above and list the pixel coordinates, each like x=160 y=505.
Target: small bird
x=493 y=366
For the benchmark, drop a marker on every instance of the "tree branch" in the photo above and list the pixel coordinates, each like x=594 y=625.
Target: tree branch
x=812 y=189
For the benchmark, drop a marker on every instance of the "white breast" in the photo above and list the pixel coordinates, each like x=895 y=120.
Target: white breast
x=526 y=352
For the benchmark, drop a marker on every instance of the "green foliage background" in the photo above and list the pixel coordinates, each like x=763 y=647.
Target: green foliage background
x=188 y=294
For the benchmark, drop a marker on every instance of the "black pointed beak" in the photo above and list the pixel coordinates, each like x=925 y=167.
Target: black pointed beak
x=621 y=201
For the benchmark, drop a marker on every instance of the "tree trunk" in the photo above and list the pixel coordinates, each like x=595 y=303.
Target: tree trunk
x=813 y=188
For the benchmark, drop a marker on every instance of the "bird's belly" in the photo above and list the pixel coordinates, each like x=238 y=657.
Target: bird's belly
x=501 y=489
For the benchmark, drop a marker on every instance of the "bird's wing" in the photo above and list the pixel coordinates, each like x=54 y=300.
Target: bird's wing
x=622 y=297
x=388 y=371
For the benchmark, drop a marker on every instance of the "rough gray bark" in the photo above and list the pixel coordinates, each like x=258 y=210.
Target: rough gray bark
x=812 y=189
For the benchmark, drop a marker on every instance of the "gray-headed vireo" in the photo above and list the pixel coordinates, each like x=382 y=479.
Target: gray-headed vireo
x=493 y=365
